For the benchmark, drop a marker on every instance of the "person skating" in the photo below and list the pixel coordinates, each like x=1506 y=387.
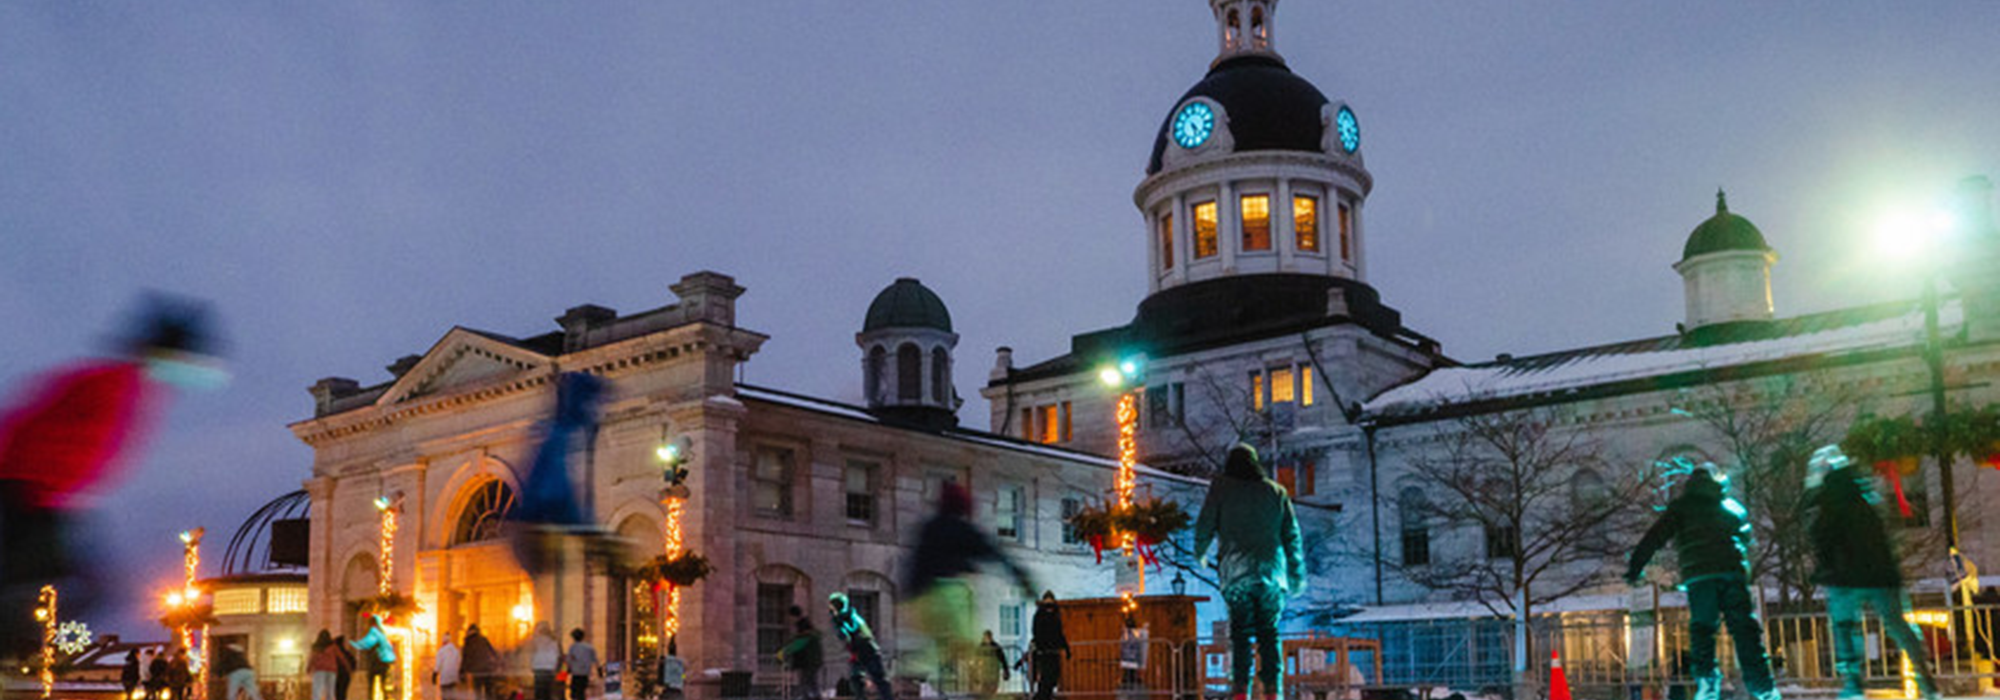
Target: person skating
x=1711 y=535
x=580 y=661
x=232 y=664
x=67 y=437
x=544 y=658
x=804 y=657
x=324 y=665
x=989 y=665
x=1047 y=649
x=949 y=548
x=446 y=667
x=480 y=663
x=382 y=657
x=343 y=678
x=1858 y=568
x=864 y=658
x=1260 y=560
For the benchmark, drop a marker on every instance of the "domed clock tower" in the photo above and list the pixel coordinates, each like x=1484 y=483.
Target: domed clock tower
x=1254 y=171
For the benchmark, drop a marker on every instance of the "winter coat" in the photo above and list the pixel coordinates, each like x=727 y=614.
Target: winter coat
x=1048 y=631
x=68 y=436
x=950 y=546
x=848 y=624
x=548 y=495
x=229 y=661
x=376 y=639
x=326 y=658
x=802 y=652
x=480 y=658
x=448 y=662
x=1710 y=532
x=1848 y=538
x=544 y=653
x=158 y=670
x=130 y=674
x=1251 y=520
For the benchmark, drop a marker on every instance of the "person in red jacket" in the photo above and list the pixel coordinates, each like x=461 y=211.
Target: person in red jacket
x=66 y=438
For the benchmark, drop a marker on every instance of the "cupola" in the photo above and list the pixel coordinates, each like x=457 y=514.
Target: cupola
x=906 y=344
x=1726 y=270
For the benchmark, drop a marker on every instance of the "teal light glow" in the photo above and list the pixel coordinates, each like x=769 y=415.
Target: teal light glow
x=1193 y=124
x=1349 y=130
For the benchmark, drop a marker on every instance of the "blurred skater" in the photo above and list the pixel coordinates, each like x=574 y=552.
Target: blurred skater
x=989 y=666
x=1260 y=560
x=1711 y=535
x=949 y=548
x=804 y=657
x=864 y=658
x=550 y=509
x=1859 y=569
x=65 y=437
x=384 y=656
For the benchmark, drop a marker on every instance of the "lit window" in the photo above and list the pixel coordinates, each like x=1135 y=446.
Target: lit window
x=1204 y=230
x=287 y=599
x=1306 y=385
x=1346 y=232
x=1256 y=210
x=1257 y=390
x=1065 y=421
x=1051 y=423
x=860 y=491
x=1166 y=241
x=239 y=601
x=1305 y=223
x=1281 y=385
x=1007 y=513
x=771 y=482
x=479 y=520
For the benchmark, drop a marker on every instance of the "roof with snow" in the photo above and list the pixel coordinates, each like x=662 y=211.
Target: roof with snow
x=856 y=413
x=1734 y=351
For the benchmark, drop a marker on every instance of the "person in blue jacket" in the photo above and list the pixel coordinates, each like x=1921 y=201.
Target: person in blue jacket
x=1260 y=561
x=1711 y=536
x=377 y=640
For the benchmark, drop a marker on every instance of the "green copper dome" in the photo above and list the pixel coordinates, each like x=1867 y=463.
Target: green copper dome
x=1724 y=232
x=907 y=304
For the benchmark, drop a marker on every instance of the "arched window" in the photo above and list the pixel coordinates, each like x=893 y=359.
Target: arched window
x=1235 y=28
x=940 y=377
x=1413 y=510
x=1587 y=490
x=909 y=372
x=872 y=375
x=479 y=519
x=1258 y=32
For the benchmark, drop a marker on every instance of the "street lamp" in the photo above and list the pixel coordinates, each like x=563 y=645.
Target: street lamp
x=1128 y=371
x=1919 y=239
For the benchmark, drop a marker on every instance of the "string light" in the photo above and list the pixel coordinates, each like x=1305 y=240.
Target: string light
x=45 y=611
x=191 y=595
x=672 y=624
x=400 y=638
x=1128 y=481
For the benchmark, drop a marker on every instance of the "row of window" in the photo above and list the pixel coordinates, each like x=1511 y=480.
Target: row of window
x=771 y=480
x=1047 y=423
x=1280 y=385
x=1254 y=212
x=909 y=374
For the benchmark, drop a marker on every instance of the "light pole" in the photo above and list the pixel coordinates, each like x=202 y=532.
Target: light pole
x=1118 y=377
x=1921 y=239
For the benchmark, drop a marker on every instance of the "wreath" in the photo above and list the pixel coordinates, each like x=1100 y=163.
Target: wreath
x=680 y=571
x=1896 y=446
x=1151 y=520
x=182 y=617
x=391 y=606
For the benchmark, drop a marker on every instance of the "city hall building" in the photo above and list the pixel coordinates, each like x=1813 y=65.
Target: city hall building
x=1259 y=325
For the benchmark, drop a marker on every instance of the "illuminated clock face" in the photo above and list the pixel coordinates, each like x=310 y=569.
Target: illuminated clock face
x=1193 y=125
x=1349 y=130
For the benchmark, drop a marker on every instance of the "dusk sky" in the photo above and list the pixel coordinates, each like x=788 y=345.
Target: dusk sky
x=346 y=181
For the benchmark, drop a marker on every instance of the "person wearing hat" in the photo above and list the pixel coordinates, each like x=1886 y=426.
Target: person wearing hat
x=67 y=436
x=233 y=664
x=863 y=656
x=1711 y=536
x=1260 y=561
x=377 y=639
x=1858 y=568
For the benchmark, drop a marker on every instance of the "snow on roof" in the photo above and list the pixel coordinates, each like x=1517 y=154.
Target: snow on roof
x=1578 y=369
x=973 y=436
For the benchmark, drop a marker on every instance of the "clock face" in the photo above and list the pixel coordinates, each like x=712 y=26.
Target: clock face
x=1349 y=130
x=1193 y=125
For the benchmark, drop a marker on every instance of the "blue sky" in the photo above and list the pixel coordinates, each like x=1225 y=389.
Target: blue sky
x=346 y=181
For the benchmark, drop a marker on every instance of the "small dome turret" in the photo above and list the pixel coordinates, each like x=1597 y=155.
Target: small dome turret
x=906 y=345
x=1726 y=271
x=1722 y=232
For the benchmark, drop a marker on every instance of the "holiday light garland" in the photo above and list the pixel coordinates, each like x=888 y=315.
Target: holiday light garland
x=672 y=625
x=45 y=612
x=190 y=595
x=1128 y=480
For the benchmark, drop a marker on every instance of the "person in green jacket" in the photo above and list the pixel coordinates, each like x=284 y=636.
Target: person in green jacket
x=1261 y=560
x=1711 y=536
x=803 y=655
x=1858 y=567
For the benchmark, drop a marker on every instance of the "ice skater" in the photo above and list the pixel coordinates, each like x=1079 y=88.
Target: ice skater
x=949 y=548
x=1858 y=568
x=864 y=658
x=1711 y=536
x=1260 y=561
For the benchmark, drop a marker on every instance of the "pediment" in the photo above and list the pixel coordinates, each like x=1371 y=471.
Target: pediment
x=463 y=359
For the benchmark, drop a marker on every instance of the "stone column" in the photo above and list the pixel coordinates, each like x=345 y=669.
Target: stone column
x=710 y=635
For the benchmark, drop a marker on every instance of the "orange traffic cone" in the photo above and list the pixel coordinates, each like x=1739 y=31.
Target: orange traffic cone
x=1558 y=685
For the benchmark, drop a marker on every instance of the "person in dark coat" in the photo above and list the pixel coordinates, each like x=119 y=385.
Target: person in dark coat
x=864 y=658
x=1047 y=648
x=344 y=678
x=949 y=548
x=157 y=674
x=180 y=675
x=989 y=666
x=129 y=676
x=479 y=662
x=1858 y=568
x=1260 y=561
x=1711 y=536
x=803 y=655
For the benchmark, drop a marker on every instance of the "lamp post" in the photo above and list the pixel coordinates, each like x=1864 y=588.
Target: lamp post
x=1920 y=238
x=674 y=455
x=1126 y=372
x=191 y=596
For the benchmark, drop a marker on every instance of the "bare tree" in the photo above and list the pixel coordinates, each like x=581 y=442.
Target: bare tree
x=1553 y=510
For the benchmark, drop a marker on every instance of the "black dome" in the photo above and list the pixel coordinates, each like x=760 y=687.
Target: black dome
x=1270 y=108
x=1723 y=232
x=907 y=304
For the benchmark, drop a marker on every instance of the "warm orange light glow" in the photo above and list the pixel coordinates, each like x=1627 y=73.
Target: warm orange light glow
x=1204 y=230
x=1128 y=475
x=671 y=625
x=1305 y=223
x=45 y=610
x=1256 y=209
x=388 y=580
